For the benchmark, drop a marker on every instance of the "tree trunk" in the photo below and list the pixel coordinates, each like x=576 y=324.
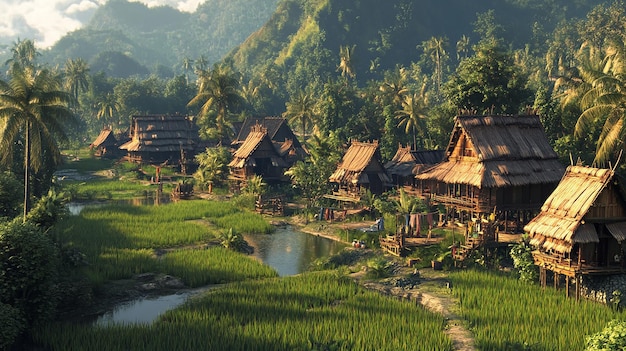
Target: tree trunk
x=27 y=171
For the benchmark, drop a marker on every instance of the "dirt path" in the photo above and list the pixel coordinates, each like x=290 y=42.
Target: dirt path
x=461 y=338
x=440 y=303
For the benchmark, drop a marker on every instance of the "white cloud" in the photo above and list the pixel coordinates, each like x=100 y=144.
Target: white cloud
x=181 y=5
x=81 y=7
x=46 y=21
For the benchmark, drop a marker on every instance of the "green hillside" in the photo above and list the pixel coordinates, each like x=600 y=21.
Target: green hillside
x=162 y=36
x=387 y=33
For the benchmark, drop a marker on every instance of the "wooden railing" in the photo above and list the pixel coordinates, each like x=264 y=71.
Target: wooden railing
x=467 y=202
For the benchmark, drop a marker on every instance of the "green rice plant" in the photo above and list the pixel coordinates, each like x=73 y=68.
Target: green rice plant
x=243 y=222
x=310 y=311
x=121 y=240
x=213 y=266
x=107 y=189
x=85 y=163
x=506 y=314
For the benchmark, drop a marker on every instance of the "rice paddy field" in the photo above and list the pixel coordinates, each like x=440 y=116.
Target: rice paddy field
x=312 y=311
x=120 y=241
x=506 y=314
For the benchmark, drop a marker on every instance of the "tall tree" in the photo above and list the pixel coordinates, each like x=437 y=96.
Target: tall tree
x=35 y=110
x=107 y=108
x=435 y=49
x=76 y=76
x=218 y=92
x=300 y=110
x=605 y=102
x=488 y=81
x=346 y=61
x=413 y=114
x=23 y=53
x=462 y=47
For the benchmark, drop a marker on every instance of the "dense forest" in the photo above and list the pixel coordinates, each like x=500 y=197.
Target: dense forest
x=397 y=71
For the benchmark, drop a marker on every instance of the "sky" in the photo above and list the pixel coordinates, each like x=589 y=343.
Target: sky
x=46 y=21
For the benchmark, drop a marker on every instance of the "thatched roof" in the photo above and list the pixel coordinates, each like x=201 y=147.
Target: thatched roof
x=105 y=138
x=161 y=133
x=257 y=139
x=277 y=129
x=507 y=151
x=359 y=157
x=408 y=162
x=560 y=223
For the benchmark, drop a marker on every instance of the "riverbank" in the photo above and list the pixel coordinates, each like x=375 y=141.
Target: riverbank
x=426 y=287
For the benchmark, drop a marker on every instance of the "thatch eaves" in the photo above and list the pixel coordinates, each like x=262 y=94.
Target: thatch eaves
x=256 y=140
x=407 y=162
x=106 y=138
x=506 y=151
x=161 y=133
x=560 y=223
x=359 y=157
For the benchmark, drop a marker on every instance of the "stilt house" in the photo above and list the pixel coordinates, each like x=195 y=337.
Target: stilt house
x=361 y=168
x=162 y=139
x=581 y=227
x=278 y=131
x=258 y=155
x=494 y=163
x=407 y=163
x=106 y=144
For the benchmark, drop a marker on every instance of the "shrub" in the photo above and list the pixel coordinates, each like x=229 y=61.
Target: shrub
x=10 y=199
x=12 y=325
x=48 y=210
x=28 y=271
x=523 y=262
x=612 y=337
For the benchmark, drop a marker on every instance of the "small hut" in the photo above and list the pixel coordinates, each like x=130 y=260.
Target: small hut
x=361 y=168
x=407 y=163
x=106 y=144
x=162 y=139
x=502 y=163
x=581 y=227
x=258 y=155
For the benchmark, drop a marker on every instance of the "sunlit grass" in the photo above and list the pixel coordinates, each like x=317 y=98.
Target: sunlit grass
x=313 y=311
x=507 y=314
x=120 y=241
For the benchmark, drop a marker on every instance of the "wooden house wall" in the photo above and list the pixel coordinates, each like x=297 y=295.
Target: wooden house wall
x=463 y=149
x=608 y=205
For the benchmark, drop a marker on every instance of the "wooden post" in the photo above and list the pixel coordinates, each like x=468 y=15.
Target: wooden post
x=556 y=280
x=577 y=287
x=566 y=286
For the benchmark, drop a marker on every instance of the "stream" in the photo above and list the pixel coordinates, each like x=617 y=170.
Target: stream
x=287 y=250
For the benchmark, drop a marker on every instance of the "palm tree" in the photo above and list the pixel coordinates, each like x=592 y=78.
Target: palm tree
x=413 y=113
x=217 y=92
x=346 y=62
x=300 y=109
x=201 y=63
x=394 y=85
x=107 y=106
x=23 y=54
x=605 y=101
x=187 y=66
x=33 y=107
x=76 y=76
x=462 y=47
x=436 y=49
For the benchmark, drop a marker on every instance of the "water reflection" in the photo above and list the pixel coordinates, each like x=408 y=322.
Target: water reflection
x=75 y=207
x=290 y=251
x=142 y=311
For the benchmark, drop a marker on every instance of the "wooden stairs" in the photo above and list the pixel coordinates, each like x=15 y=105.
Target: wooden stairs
x=471 y=244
